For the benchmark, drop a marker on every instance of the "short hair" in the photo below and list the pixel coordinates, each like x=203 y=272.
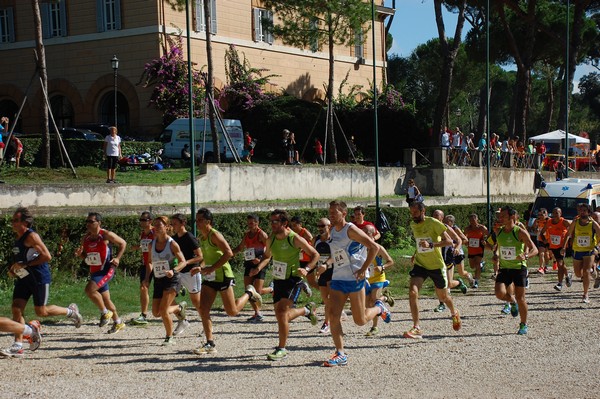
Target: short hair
x=96 y=215
x=253 y=216
x=282 y=214
x=340 y=204
x=451 y=218
x=206 y=214
x=585 y=205
x=179 y=217
x=511 y=211
x=296 y=219
x=163 y=219
x=360 y=208
x=146 y=215
x=26 y=215
x=419 y=205
x=474 y=215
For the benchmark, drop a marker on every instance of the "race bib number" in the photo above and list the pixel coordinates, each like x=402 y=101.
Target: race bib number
x=93 y=259
x=474 y=243
x=340 y=258
x=583 y=241
x=161 y=267
x=22 y=272
x=371 y=270
x=145 y=245
x=423 y=245
x=210 y=276
x=249 y=254
x=279 y=270
x=323 y=259
x=508 y=253
x=555 y=240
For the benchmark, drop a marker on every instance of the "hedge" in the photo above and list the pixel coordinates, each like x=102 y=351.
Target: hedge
x=62 y=235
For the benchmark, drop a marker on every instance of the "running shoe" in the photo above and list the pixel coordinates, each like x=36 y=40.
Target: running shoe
x=542 y=270
x=585 y=299
x=105 y=318
x=324 y=328
x=205 y=349
x=523 y=329
x=278 y=354
x=257 y=318
x=75 y=315
x=482 y=264
x=456 y=323
x=388 y=297
x=527 y=282
x=505 y=309
x=597 y=282
x=181 y=326
x=372 y=332
x=169 y=341
x=305 y=287
x=558 y=287
x=385 y=314
x=140 y=320
x=13 y=351
x=312 y=313
x=337 y=359
x=272 y=287
x=254 y=295
x=569 y=279
x=35 y=339
x=555 y=266
x=514 y=309
x=462 y=286
x=476 y=284
x=414 y=333
x=343 y=316
x=440 y=308
x=116 y=327
x=182 y=307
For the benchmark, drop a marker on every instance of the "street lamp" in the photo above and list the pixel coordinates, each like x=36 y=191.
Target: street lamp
x=114 y=62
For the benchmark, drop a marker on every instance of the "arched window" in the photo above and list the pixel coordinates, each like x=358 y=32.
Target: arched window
x=62 y=110
x=106 y=111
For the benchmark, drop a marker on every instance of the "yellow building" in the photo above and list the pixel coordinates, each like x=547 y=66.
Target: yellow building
x=81 y=37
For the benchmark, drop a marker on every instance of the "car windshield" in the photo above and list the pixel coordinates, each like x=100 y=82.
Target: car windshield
x=93 y=136
x=567 y=205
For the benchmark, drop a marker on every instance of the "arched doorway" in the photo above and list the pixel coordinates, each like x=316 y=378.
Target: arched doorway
x=62 y=110
x=106 y=111
x=9 y=108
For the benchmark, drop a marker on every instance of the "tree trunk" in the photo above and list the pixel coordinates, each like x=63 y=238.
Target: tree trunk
x=209 y=84
x=549 y=103
x=482 y=121
x=331 y=136
x=41 y=66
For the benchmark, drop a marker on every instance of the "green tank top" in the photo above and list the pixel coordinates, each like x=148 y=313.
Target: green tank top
x=286 y=257
x=211 y=255
x=510 y=248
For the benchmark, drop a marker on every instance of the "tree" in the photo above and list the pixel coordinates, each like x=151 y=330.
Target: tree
x=43 y=72
x=315 y=23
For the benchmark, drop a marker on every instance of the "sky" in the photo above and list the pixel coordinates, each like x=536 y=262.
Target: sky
x=414 y=24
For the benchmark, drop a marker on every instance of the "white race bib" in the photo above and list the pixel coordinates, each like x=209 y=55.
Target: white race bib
x=508 y=253
x=22 y=272
x=428 y=241
x=583 y=241
x=279 y=270
x=249 y=254
x=340 y=258
x=555 y=240
x=210 y=276
x=474 y=243
x=161 y=267
x=371 y=270
x=323 y=259
x=93 y=259
x=145 y=245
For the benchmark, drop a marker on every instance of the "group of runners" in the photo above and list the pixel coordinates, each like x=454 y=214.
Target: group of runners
x=343 y=261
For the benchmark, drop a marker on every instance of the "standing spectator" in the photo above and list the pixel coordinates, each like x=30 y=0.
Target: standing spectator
x=482 y=142
x=3 y=121
x=19 y=151
x=112 y=150
x=198 y=155
x=559 y=169
x=284 y=145
x=445 y=139
x=293 y=158
x=185 y=153
x=412 y=192
x=248 y=148
x=318 y=151
x=541 y=149
x=456 y=141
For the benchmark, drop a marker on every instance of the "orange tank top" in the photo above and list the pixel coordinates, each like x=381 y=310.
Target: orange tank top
x=476 y=244
x=555 y=233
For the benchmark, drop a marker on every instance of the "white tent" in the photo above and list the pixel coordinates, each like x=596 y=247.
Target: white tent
x=556 y=136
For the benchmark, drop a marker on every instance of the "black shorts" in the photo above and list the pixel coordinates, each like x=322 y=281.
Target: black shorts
x=325 y=277
x=557 y=254
x=458 y=259
x=143 y=274
x=111 y=162
x=164 y=284
x=440 y=280
x=248 y=265
x=510 y=276
x=283 y=288
x=541 y=244
x=220 y=285
x=27 y=287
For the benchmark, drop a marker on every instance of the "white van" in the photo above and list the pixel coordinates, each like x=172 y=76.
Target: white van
x=566 y=194
x=179 y=131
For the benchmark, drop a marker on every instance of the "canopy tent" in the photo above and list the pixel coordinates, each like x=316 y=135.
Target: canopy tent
x=556 y=136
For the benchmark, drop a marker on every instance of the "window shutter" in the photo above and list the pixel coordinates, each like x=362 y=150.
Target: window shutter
x=257 y=24
x=100 y=16
x=63 y=18
x=11 y=24
x=213 y=17
x=199 y=14
x=268 y=31
x=118 y=14
x=45 y=11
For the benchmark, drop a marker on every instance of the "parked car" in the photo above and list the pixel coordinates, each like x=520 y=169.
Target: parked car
x=101 y=128
x=80 y=134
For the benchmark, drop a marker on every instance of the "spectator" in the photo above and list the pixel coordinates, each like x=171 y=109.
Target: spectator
x=318 y=151
x=559 y=169
x=3 y=129
x=112 y=150
x=284 y=145
x=412 y=192
x=19 y=146
x=445 y=139
x=185 y=153
x=541 y=150
x=248 y=148
x=198 y=155
x=293 y=158
x=482 y=142
x=530 y=147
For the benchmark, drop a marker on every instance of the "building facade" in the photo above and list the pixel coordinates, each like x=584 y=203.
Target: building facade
x=81 y=37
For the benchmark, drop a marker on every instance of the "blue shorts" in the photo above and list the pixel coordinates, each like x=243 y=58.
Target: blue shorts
x=102 y=278
x=347 y=287
x=577 y=255
x=373 y=286
x=26 y=288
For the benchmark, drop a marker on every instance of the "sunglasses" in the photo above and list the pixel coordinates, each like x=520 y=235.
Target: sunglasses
x=275 y=221
x=144 y=220
x=321 y=225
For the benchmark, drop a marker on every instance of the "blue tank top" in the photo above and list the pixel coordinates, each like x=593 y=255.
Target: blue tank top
x=39 y=274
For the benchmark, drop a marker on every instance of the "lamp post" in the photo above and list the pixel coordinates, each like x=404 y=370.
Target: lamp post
x=114 y=62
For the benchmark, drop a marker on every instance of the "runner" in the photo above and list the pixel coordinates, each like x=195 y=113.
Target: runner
x=459 y=258
x=167 y=277
x=31 y=330
x=253 y=244
x=32 y=279
x=584 y=232
x=476 y=233
x=515 y=247
x=555 y=230
x=431 y=236
x=296 y=226
x=360 y=222
x=218 y=278
x=353 y=251
x=539 y=240
x=325 y=266
x=284 y=246
x=377 y=282
x=146 y=237
x=97 y=252
x=188 y=244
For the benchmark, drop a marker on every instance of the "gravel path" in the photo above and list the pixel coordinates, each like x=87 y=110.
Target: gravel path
x=558 y=358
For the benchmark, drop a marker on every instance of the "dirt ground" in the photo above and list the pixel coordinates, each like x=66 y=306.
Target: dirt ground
x=486 y=358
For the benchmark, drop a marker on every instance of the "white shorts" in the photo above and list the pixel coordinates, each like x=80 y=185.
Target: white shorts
x=192 y=283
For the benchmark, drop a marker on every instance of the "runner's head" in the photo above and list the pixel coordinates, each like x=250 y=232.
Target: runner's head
x=178 y=221
x=161 y=225
x=508 y=214
x=369 y=230
x=93 y=222
x=449 y=220
x=23 y=215
x=337 y=212
x=417 y=211
x=204 y=218
x=359 y=214
x=252 y=221
x=438 y=214
x=296 y=223
x=279 y=220
x=556 y=213
x=584 y=210
x=473 y=219
x=323 y=225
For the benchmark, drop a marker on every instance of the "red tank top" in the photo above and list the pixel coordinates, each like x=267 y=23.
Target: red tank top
x=97 y=252
x=146 y=245
x=475 y=244
x=254 y=242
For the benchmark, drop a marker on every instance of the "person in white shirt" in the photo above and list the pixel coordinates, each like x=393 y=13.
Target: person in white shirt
x=112 y=149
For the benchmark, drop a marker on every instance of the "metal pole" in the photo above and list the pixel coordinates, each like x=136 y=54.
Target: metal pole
x=375 y=121
x=567 y=90
x=487 y=111
x=116 y=109
x=191 y=118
